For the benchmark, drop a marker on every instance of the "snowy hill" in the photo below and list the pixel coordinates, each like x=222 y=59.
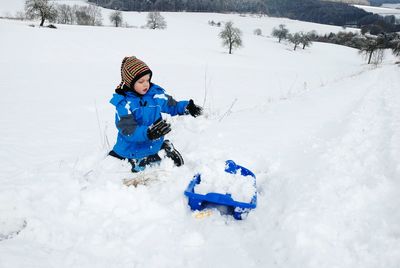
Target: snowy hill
x=359 y=2
x=318 y=127
x=383 y=11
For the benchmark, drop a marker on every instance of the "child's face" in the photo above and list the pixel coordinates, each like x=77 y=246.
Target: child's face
x=142 y=85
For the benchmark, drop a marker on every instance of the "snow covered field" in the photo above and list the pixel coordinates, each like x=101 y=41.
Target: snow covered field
x=318 y=127
x=386 y=10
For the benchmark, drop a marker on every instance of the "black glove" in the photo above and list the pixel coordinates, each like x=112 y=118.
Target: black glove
x=158 y=129
x=193 y=109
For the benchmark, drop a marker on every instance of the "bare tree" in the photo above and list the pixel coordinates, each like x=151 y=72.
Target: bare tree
x=295 y=39
x=95 y=15
x=257 y=31
x=40 y=9
x=281 y=32
x=156 y=21
x=378 y=56
x=305 y=39
x=372 y=49
x=88 y=15
x=116 y=18
x=20 y=15
x=65 y=14
x=231 y=36
x=396 y=47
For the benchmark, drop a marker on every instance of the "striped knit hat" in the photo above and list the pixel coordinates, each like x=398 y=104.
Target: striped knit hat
x=132 y=69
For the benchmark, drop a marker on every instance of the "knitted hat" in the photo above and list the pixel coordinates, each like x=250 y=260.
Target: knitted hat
x=132 y=69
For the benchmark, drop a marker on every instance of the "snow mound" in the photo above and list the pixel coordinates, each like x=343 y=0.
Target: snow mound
x=214 y=179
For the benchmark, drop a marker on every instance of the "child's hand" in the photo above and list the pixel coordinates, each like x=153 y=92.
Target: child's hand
x=193 y=109
x=158 y=129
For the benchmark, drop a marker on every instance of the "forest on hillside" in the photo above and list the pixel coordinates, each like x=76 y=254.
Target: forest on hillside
x=251 y=6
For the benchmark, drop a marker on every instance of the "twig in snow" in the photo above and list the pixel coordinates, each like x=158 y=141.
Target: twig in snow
x=228 y=111
x=205 y=88
x=98 y=120
x=106 y=142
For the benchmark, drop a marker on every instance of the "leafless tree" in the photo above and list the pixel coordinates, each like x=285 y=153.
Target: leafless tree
x=305 y=39
x=372 y=49
x=281 y=32
x=42 y=9
x=88 y=15
x=295 y=39
x=65 y=14
x=116 y=18
x=231 y=36
x=257 y=31
x=156 y=21
x=396 y=47
x=20 y=15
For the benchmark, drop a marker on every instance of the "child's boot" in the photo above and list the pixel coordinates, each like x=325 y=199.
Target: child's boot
x=172 y=153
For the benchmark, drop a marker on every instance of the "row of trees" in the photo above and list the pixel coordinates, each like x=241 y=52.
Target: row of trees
x=154 y=20
x=297 y=39
x=232 y=36
x=65 y=14
x=372 y=47
x=81 y=15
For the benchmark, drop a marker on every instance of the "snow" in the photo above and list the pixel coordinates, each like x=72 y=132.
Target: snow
x=318 y=127
x=394 y=6
x=214 y=179
x=11 y=7
x=8 y=8
x=386 y=10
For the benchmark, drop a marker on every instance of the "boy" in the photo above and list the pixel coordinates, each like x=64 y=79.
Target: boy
x=141 y=128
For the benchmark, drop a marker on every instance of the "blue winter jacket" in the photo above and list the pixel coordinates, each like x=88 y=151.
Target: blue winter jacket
x=135 y=113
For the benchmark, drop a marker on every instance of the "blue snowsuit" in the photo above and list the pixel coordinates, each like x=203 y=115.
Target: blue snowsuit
x=135 y=113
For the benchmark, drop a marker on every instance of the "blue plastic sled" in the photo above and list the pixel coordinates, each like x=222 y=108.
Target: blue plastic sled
x=238 y=210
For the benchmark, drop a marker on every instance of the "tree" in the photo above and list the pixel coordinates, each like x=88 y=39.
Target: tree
x=20 y=15
x=116 y=18
x=231 y=36
x=281 y=32
x=156 y=21
x=40 y=9
x=305 y=39
x=396 y=47
x=294 y=39
x=257 y=31
x=373 y=48
x=88 y=15
x=65 y=15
